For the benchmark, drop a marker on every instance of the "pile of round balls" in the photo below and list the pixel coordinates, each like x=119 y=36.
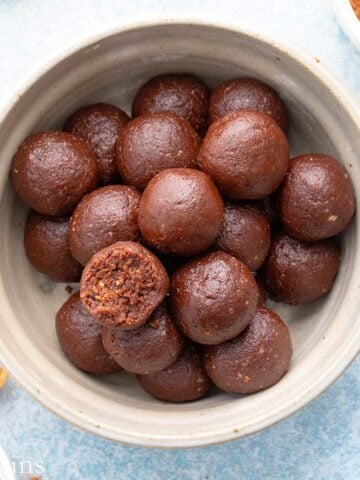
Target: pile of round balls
x=176 y=221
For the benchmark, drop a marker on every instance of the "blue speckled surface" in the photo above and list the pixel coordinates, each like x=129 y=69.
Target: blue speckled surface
x=322 y=441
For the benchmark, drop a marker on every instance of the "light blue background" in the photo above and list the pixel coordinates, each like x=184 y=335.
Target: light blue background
x=322 y=441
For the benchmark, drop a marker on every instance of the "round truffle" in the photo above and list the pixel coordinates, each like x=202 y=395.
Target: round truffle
x=100 y=125
x=300 y=272
x=245 y=234
x=52 y=171
x=183 y=381
x=45 y=242
x=253 y=361
x=181 y=212
x=213 y=298
x=246 y=154
x=185 y=95
x=105 y=216
x=79 y=335
x=247 y=94
x=317 y=198
x=123 y=284
x=154 y=142
x=146 y=349
x=262 y=293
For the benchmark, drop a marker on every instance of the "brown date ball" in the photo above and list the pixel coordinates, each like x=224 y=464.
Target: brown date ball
x=154 y=142
x=45 y=242
x=181 y=212
x=317 y=198
x=183 y=381
x=123 y=284
x=105 y=216
x=246 y=154
x=100 y=125
x=79 y=335
x=146 y=349
x=247 y=94
x=298 y=272
x=213 y=298
x=185 y=95
x=245 y=234
x=253 y=361
x=52 y=171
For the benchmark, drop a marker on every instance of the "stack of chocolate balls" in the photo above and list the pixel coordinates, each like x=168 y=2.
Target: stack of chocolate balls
x=175 y=221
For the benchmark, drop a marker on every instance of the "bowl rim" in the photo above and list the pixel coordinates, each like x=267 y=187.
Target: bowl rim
x=78 y=419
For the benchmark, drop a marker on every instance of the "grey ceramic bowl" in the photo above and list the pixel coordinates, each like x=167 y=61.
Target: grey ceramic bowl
x=110 y=68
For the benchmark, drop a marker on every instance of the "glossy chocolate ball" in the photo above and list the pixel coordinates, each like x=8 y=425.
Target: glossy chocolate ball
x=52 y=171
x=181 y=212
x=105 y=216
x=213 y=298
x=245 y=234
x=246 y=154
x=183 y=381
x=300 y=272
x=253 y=361
x=79 y=335
x=317 y=198
x=46 y=247
x=154 y=142
x=100 y=125
x=185 y=95
x=146 y=349
x=247 y=94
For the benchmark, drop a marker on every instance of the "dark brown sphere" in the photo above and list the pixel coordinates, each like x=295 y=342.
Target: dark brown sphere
x=317 y=198
x=154 y=142
x=105 y=216
x=247 y=94
x=79 y=335
x=300 y=272
x=183 y=381
x=46 y=247
x=100 y=125
x=262 y=293
x=253 y=361
x=123 y=284
x=181 y=212
x=185 y=95
x=52 y=171
x=146 y=349
x=213 y=298
x=246 y=154
x=245 y=234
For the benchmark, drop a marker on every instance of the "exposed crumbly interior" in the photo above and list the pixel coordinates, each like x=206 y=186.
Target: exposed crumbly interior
x=120 y=288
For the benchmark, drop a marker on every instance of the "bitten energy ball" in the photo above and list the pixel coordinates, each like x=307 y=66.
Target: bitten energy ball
x=45 y=242
x=300 y=272
x=246 y=154
x=317 y=198
x=100 y=125
x=152 y=143
x=146 y=349
x=247 y=94
x=183 y=381
x=123 y=284
x=245 y=234
x=105 y=216
x=181 y=212
x=52 y=171
x=213 y=298
x=185 y=95
x=79 y=335
x=253 y=361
